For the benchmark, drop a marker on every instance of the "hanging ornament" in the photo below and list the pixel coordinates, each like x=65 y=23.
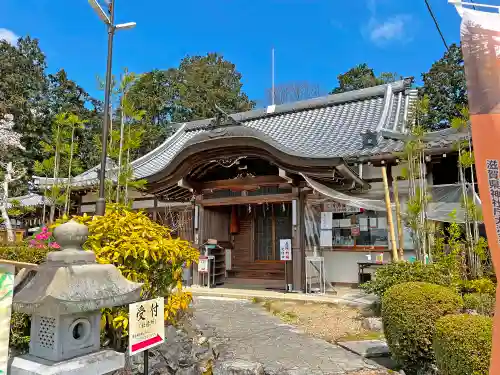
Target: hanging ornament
x=249 y=209
x=283 y=207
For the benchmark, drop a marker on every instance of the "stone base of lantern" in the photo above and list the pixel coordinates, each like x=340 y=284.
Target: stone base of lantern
x=99 y=363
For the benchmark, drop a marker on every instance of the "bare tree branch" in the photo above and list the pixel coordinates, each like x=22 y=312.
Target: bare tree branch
x=293 y=92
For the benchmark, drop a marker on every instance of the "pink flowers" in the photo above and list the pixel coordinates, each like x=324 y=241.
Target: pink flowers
x=44 y=239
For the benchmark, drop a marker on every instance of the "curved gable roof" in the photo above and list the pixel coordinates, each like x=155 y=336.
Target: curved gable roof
x=326 y=127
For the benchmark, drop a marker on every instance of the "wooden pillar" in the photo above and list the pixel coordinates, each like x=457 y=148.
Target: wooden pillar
x=428 y=173
x=390 y=221
x=155 y=208
x=298 y=251
x=399 y=219
x=197 y=234
x=78 y=203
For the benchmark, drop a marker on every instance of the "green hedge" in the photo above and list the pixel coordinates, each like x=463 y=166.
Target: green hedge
x=483 y=304
x=409 y=313
x=403 y=272
x=462 y=344
x=24 y=253
x=20 y=323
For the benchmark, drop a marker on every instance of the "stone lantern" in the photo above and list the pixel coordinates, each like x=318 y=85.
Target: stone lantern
x=64 y=300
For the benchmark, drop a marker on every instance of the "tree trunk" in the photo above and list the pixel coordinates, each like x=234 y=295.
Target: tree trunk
x=56 y=175
x=120 y=151
x=125 y=198
x=5 y=197
x=68 y=185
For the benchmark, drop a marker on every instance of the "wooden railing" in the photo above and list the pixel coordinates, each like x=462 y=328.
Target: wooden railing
x=19 y=264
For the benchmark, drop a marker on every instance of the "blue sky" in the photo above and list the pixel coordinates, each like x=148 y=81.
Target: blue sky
x=314 y=40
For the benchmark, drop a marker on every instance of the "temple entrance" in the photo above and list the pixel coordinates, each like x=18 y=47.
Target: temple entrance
x=251 y=234
x=245 y=203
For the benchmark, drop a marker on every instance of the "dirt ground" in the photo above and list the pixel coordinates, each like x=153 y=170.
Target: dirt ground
x=329 y=322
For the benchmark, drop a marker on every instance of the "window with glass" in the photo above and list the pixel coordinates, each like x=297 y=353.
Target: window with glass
x=329 y=224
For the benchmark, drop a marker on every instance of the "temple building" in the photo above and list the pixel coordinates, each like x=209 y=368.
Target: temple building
x=308 y=172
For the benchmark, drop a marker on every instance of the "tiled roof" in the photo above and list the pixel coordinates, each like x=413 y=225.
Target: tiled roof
x=87 y=178
x=29 y=200
x=392 y=142
x=323 y=127
x=326 y=127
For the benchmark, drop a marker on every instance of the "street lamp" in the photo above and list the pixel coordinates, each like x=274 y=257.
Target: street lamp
x=109 y=21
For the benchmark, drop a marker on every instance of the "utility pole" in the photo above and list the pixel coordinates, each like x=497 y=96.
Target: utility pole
x=272 y=76
x=109 y=20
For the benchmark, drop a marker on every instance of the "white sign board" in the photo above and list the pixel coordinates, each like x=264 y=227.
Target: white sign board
x=203 y=264
x=326 y=238
x=326 y=220
x=337 y=207
x=146 y=325
x=286 y=249
x=6 y=291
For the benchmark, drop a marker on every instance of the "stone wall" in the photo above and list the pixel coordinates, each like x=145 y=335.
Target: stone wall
x=189 y=350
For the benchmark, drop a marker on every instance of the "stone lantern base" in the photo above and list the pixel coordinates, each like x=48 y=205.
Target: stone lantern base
x=99 y=363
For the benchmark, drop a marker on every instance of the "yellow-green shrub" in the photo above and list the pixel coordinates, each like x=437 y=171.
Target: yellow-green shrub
x=409 y=313
x=483 y=286
x=483 y=304
x=462 y=344
x=144 y=251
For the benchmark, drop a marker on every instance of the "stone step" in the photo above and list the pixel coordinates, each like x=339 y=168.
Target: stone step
x=367 y=348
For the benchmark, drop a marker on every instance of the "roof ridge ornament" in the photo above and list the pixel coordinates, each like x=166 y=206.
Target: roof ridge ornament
x=370 y=139
x=222 y=119
x=408 y=81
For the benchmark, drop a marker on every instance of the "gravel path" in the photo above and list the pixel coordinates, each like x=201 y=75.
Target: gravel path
x=248 y=333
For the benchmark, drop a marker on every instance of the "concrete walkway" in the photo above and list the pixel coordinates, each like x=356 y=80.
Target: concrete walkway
x=348 y=296
x=246 y=332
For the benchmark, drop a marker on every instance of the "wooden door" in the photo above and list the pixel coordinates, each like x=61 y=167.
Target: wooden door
x=216 y=223
x=272 y=223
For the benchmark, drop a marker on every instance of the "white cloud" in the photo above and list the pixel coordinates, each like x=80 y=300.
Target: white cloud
x=387 y=29
x=8 y=36
x=394 y=28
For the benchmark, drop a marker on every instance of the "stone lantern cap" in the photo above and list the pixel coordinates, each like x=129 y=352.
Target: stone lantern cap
x=71 y=281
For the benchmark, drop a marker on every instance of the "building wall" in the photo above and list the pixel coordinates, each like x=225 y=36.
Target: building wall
x=342 y=266
x=141 y=201
x=216 y=224
x=92 y=196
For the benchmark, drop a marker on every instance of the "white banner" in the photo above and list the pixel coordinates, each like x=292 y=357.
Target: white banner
x=6 y=293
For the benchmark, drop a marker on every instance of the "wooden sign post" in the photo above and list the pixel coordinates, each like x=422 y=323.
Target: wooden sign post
x=146 y=327
x=286 y=255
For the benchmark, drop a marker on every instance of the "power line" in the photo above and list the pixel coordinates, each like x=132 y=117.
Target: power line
x=436 y=24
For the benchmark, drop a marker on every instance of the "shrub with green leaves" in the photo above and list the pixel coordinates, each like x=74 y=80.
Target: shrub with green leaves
x=20 y=323
x=462 y=344
x=24 y=253
x=482 y=303
x=483 y=285
x=409 y=313
x=403 y=272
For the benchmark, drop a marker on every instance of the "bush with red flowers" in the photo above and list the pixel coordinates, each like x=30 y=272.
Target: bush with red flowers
x=44 y=239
